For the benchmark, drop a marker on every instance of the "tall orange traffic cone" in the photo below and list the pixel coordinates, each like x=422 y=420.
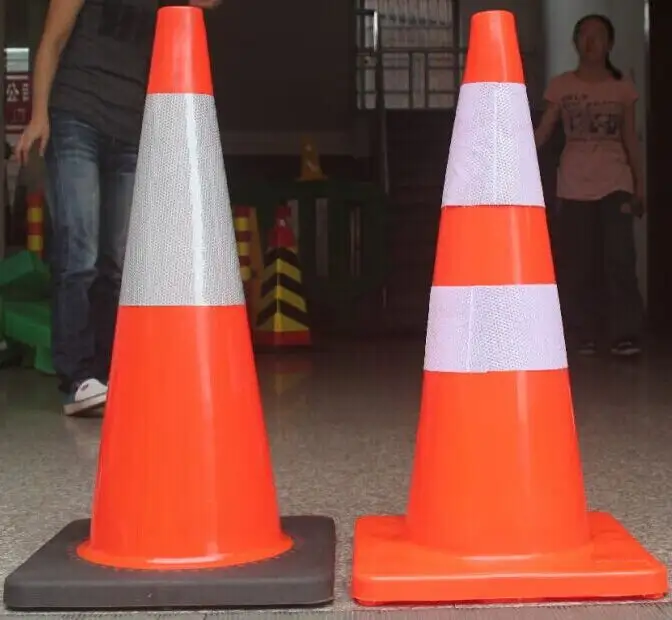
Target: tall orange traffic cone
x=185 y=511
x=497 y=509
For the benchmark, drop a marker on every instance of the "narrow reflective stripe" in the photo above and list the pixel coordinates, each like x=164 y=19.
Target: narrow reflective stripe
x=493 y=157
x=181 y=249
x=495 y=245
x=477 y=329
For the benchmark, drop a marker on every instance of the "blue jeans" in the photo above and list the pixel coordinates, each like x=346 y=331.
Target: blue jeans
x=90 y=180
x=600 y=269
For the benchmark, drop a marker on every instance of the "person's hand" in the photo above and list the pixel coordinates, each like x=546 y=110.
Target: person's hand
x=205 y=4
x=37 y=132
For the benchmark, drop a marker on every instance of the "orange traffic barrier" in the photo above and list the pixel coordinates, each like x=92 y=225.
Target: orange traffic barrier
x=250 y=256
x=185 y=511
x=311 y=169
x=35 y=223
x=497 y=510
x=243 y=229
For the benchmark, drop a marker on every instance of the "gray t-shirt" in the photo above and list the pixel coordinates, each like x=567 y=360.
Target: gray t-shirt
x=102 y=76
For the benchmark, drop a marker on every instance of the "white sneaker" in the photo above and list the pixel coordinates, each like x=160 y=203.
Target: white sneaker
x=87 y=395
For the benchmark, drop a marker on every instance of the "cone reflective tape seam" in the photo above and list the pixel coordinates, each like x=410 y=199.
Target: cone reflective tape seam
x=493 y=156
x=479 y=329
x=159 y=266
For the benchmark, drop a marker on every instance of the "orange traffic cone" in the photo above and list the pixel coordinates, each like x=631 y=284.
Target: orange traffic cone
x=185 y=511
x=497 y=510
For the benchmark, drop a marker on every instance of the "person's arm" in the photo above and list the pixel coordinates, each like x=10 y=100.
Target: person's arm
x=61 y=18
x=547 y=124
x=632 y=149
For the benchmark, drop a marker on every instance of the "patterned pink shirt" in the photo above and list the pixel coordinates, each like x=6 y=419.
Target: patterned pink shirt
x=594 y=162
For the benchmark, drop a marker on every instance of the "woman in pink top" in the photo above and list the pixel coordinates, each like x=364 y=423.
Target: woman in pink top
x=601 y=186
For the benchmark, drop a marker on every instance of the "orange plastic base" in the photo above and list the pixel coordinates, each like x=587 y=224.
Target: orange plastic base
x=388 y=569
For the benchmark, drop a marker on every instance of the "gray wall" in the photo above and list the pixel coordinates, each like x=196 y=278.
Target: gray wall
x=529 y=19
x=2 y=132
x=284 y=66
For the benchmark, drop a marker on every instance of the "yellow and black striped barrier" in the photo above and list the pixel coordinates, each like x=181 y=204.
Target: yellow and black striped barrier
x=35 y=224
x=283 y=317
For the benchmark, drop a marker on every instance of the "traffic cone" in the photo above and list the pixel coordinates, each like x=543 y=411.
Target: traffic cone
x=283 y=316
x=184 y=512
x=497 y=510
x=311 y=170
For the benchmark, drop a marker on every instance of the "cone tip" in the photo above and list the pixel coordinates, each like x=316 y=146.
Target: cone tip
x=180 y=60
x=494 y=54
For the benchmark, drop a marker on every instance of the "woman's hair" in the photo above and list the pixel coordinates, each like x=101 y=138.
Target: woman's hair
x=611 y=35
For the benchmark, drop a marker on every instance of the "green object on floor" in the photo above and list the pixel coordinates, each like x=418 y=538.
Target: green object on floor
x=29 y=323
x=25 y=314
x=24 y=277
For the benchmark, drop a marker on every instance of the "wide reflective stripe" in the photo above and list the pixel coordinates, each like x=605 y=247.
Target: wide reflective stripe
x=182 y=247
x=476 y=329
x=493 y=157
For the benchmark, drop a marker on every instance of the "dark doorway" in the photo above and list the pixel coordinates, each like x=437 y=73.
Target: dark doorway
x=659 y=156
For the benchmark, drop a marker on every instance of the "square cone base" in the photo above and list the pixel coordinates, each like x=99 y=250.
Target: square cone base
x=55 y=578
x=388 y=569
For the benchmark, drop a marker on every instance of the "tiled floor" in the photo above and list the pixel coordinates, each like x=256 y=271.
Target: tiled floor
x=342 y=440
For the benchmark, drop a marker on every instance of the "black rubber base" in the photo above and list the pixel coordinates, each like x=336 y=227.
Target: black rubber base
x=55 y=578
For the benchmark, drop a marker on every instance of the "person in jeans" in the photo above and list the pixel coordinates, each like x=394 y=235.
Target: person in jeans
x=89 y=84
x=601 y=188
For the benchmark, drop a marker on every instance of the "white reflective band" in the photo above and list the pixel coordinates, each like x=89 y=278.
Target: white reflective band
x=182 y=247
x=493 y=157
x=477 y=329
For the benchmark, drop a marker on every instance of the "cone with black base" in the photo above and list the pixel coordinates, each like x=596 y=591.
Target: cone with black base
x=185 y=513
x=283 y=322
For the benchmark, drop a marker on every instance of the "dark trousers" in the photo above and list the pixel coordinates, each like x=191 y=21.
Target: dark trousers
x=601 y=295
x=90 y=181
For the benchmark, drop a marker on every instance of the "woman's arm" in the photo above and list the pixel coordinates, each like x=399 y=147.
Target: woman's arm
x=547 y=124
x=61 y=18
x=631 y=144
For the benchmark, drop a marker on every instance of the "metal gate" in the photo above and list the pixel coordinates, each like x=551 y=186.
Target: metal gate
x=417 y=43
